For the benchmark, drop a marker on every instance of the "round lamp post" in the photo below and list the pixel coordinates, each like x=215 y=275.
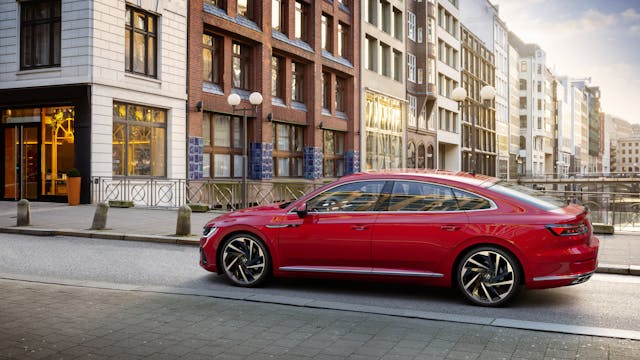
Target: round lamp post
x=234 y=100
x=459 y=94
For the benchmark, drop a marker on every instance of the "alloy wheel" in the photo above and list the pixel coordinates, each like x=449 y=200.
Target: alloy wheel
x=488 y=276
x=245 y=260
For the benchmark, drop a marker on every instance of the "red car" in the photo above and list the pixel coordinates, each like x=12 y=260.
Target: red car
x=485 y=236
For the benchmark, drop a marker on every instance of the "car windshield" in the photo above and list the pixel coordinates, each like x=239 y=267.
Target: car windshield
x=530 y=196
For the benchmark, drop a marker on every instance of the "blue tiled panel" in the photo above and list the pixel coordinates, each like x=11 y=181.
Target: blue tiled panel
x=261 y=161
x=352 y=162
x=196 y=146
x=312 y=166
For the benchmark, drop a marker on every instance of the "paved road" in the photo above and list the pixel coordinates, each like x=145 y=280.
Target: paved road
x=602 y=302
x=44 y=321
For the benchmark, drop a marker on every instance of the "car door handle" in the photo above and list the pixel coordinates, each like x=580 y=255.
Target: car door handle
x=360 y=227
x=450 y=227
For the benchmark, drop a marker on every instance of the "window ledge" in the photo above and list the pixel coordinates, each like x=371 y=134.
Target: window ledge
x=298 y=106
x=56 y=69
x=144 y=78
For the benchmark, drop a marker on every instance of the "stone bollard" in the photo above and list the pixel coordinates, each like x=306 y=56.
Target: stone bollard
x=183 y=227
x=24 y=213
x=100 y=217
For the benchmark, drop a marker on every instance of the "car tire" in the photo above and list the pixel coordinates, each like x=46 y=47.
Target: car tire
x=488 y=276
x=245 y=260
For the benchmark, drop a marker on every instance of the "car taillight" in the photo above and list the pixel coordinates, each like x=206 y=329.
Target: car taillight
x=568 y=229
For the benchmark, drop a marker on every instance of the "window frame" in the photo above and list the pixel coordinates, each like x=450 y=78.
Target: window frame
x=52 y=21
x=244 y=59
x=233 y=150
x=294 y=132
x=132 y=30
x=297 y=82
x=336 y=156
x=149 y=124
x=217 y=52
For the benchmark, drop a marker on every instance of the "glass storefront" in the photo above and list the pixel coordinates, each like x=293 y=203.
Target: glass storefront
x=38 y=148
x=384 y=129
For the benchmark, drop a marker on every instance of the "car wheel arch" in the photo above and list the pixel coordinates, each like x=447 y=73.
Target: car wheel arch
x=232 y=234
x=486 y=243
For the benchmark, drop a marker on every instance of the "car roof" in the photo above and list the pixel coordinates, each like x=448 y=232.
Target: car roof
x=460 y=177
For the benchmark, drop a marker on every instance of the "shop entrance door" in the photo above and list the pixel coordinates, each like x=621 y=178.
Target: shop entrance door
x=21 y=158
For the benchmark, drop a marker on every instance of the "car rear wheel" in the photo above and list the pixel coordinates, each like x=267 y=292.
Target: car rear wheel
x=488 y=276
x=245 y=260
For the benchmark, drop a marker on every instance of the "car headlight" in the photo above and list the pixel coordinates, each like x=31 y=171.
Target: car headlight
x=209 y=230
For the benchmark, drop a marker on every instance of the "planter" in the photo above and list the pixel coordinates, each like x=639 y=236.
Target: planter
x=73 y=190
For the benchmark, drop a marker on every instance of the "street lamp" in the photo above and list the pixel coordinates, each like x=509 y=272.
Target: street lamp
x=234 y=100
x=459 y=94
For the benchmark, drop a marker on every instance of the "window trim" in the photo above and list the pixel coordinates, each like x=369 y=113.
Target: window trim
x=130 y=28
x=51 y=21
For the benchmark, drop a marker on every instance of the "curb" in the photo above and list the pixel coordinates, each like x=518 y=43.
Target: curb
x=194 y=240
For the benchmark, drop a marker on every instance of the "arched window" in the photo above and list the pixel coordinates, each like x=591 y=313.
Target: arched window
x=411 y=156
x=430 y=157
x=421 y=156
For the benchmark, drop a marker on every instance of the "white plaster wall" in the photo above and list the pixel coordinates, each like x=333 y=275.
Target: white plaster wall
x=111 y=82
x=75 y=43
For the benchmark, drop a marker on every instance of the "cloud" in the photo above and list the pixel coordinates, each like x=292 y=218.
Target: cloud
x=635 y=30
x=630 y=14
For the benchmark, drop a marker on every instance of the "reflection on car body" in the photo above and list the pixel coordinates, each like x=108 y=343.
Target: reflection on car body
x=486 y=237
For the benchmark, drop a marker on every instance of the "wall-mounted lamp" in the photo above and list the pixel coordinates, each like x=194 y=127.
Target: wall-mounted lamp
x=321 y=125
x=199 y=106
x=269 y=117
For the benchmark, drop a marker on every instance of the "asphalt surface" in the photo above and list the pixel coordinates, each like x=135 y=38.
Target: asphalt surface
x=602 y=302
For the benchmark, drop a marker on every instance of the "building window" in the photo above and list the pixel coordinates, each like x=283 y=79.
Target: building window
x=287 y=150
x=139 y=140
x=297 y=82
x=245 y=8
x=301 y=21
x=413 y=110
x=276 y=77
x=430 y=157
x=222 y=142
x=398 y=65
x=421 y=162
x=372 y=12
x=211 y=58
x=523 y=84
x=333 y=153
x=340 y=95
x=386 y=59
x=411 y=156
x=39 y=34
x=277 y=17
x=372 y=54
x=241 y=63
x=411 y=26
x=523 y=66
x=385 y=16
x=141 y=38
x=411 y=67
x=217 y=3
x=326 y=31
x=343 y=40
x=326 y=91
x=397 y=23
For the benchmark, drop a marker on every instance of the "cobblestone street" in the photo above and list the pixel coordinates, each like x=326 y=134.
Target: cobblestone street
x=45 y=321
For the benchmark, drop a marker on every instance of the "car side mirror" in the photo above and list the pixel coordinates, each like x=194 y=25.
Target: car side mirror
x=301 y=210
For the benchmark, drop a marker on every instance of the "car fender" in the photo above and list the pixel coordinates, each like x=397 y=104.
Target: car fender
x=463 y=246
x=268 y=236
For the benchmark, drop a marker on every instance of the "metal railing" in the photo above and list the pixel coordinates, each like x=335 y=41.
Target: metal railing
x=620 y=209
x=172 y=193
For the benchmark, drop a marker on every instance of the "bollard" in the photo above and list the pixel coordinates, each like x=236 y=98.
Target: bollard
x=183 y=227
x=24 y=213
x=100 y=217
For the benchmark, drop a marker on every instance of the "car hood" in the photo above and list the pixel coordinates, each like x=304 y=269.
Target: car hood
x=238 y=215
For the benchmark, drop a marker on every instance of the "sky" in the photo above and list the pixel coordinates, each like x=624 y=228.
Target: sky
x=599 y=39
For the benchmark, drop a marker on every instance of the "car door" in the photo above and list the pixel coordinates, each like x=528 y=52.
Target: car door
x=335 y=234
x=419 y=224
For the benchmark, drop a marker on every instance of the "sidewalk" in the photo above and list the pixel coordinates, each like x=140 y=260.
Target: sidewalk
x=619 y=253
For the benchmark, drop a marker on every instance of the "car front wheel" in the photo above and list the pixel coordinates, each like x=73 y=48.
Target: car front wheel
x=488 y=276
x=245 y=260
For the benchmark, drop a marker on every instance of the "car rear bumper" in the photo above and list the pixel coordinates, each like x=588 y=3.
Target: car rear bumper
x=570 y=266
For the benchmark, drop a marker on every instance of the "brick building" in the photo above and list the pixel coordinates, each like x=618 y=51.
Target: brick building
x=300 y=56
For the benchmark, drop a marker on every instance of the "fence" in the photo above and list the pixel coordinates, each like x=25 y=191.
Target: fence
x=620 y=209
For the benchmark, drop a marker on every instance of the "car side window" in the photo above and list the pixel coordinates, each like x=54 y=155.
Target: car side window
x=469 y=201
x=355 y=196
x=421 y=196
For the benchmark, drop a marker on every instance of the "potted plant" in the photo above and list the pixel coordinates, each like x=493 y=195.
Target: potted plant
x=73 y=186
